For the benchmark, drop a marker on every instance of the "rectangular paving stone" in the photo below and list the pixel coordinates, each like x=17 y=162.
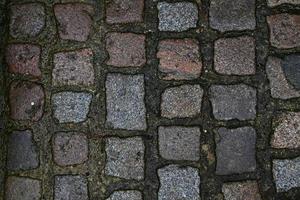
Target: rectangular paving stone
x=235 y=56
x=129 y=194
x=273 y=3
x=73 y=68
x=233 y=102
x=177 y=17
x=179 y=143
x=182 y=101
x=286 y=174
x=247 y=190
x=235 y=150
x=227 y=15
x=125 y=158
x=125 y=102
x=284 y=30
x=178 y=182
x=179 y=59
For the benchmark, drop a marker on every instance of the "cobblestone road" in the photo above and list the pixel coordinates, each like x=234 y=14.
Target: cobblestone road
x=150 y=100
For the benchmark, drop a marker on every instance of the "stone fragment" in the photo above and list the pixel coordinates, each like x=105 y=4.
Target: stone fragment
x=247 y=190
x=128 y=195
x=274 y=3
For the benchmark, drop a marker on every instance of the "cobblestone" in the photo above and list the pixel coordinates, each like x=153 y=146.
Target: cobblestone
x=129 y=194
x=273 y=3
x=291 y=69
x=241 y=191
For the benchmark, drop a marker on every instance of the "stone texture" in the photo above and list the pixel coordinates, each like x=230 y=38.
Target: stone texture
x=287 y=131
x=284 y=30
x=235 y=56
x=71 y=106
x=23 y=188
x=235 y=150
x=23 y=59
x=125 y=158
x=286 y=174
x=178 y=17
x=126 y=49
x=126 y=195
x=70 y=187
x=179 y=59
x=26 y=20
x=291 y=69
x=124 y=11
x=26 y=100
x=273 y=3
x=177 y=182
x=247 y=190
x=74 y=21
x=233 y=102
x=179 y=143
x=227 y=15
x=182 y=101
x=70 y=148
x=125 y=102
x=73 y=68
x=280 y=87
x=22 y=153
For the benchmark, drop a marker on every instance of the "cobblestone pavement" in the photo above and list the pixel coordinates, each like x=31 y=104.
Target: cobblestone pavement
x=150 y=100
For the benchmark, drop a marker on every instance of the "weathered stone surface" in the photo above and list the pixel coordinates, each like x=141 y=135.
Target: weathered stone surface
x=177 y=17
x=182 y=101
x=23 y=188
x=273 y=3
x=129 y=194
x=70 y=187
x=73 y=68
x=233 y=102
x=179 y=59
x=227 y=15
x=22 y=153
x=126 y=49
x=235 y=150
x=235 y=56
x=291 y=69
x=280 y=87
x=286 y=174
x=74 y=21
x=124 y=11
x=247 y=190
x=284 y=30
x=26 y=100
x=23 y=59
x=178 y=182
x=27 y=20
x=125 y=102
x=125 y=158
x=70 y=148
x=179 y=143
x=71 y=106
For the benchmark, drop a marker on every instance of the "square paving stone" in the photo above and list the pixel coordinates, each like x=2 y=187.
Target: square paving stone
x=178 y=17
x=23 y=59
x=26 y=20
x=126 y=49
x=286 y=174
x=124 y=11
x=179 y=59
x=26 y=100
x=247 y=190
x=273 y=3
x=235 y=56
x=182 y=101
x=235 y=150
x=227 y=15
x=73 y=68
x=71 y=106
x=287 y=131
x=22 y=153
x=178 y=182
x=126 y=195
x=71 y=187
x=284 y=30
x=179 y=143
x=125 y=102
x=23 y=188
x=74 y=21
x=125 y=158
x=233 y=102
x=70 y=148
